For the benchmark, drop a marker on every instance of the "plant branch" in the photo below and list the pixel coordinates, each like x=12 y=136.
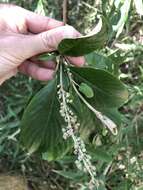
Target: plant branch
x=65 y=3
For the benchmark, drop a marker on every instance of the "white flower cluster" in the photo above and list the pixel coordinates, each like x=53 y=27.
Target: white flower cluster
x=83 y=161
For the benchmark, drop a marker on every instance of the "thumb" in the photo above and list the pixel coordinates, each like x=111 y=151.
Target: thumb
x=47 y=41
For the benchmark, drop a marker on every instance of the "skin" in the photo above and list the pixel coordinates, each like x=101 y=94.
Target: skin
x=24 y=35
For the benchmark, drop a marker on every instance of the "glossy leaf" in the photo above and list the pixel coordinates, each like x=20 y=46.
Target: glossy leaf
x=86 y=90
x=110 y=63
x=108 y=90
x=85 y=44
x=41 y=123
x=96 y=60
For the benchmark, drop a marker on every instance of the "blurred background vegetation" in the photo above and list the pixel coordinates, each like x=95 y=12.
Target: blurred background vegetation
x=119 y=160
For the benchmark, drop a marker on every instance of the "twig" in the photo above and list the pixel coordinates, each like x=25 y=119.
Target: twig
x=65 y=3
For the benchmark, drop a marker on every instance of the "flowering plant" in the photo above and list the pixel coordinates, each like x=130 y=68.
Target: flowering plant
x=75 y=100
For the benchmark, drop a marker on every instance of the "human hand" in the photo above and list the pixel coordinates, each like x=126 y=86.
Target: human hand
x=23 y=35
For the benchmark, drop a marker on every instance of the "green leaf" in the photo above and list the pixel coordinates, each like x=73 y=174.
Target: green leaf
x=85 y=44
x=41 y=124
x=40 y=8
x=86 y=90
x=59 y=151
x=108 y=90
x=110 y=63
x=97 y=60
x=73 y=175
x=124 y=11
x=101 y=155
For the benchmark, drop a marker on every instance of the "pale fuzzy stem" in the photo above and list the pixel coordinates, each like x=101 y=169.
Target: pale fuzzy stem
x=107 y=168
x=12 y=137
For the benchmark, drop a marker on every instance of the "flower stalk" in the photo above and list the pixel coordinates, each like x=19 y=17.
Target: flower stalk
x=83 y=161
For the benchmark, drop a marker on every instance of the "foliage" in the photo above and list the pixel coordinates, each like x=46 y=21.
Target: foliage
x=118 y=159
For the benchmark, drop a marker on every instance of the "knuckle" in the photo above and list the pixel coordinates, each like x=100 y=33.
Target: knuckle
x=52 y=38
x=69 y=32
x=47 y=41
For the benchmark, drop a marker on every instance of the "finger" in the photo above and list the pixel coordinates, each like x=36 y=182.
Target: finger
x=78 y=61
x=37 y=23
x=33 y=22
x=47 y=64
x=45 y=41
x=36 y=72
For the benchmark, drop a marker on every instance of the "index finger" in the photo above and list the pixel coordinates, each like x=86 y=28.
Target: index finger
x=37 y=23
